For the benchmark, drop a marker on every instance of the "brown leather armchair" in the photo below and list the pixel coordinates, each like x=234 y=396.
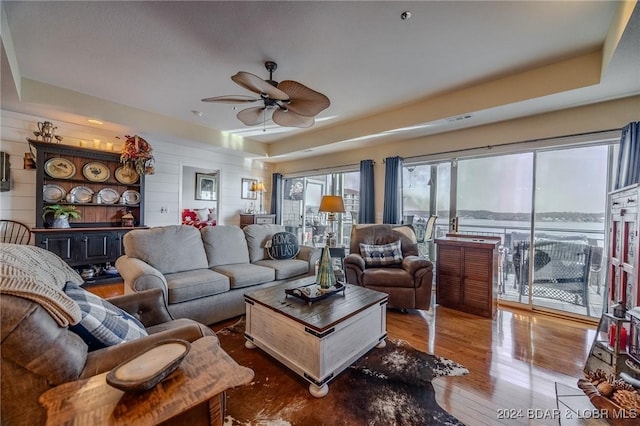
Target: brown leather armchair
x=39 y=354
x=408 y=283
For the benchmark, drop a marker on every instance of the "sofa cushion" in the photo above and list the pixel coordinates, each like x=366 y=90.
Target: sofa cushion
x=382 y=254
x=246 y=274
x=169 y=249
x=190 y=285
x=286 y=268
x=282 y=245
x=225 y=245
x=257 y=236
x=102 y=323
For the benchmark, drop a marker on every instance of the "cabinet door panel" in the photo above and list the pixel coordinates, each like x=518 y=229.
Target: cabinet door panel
x=96 y=247
x=449 y=261
x=449 y=291
x=477 y=264
x=62 y=245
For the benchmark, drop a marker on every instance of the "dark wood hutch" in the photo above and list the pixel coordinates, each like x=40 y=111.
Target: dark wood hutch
x=95 y=238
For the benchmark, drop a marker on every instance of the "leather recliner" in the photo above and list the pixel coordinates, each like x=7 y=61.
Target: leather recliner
x=39 y=354
x=408 y=283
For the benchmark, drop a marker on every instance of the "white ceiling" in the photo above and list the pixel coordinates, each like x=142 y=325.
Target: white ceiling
x=163 y=57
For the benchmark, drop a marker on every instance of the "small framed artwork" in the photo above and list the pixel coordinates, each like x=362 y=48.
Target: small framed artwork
x=247 y=193
x=206 y=186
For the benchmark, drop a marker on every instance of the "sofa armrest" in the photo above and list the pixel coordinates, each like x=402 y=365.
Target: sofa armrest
x=412 y=264
x=103 y=360
x=139 y=275
x=147 y=306
x=310 y=255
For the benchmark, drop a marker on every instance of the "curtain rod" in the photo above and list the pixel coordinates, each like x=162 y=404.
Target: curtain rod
x=525 y=142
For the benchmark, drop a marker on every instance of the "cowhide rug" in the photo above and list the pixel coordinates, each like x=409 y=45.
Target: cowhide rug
x=389 y=386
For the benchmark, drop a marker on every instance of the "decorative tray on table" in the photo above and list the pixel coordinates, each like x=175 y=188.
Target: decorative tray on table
x=312 y=292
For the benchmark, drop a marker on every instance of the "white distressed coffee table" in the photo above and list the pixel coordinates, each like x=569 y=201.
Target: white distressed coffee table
x=316 y=341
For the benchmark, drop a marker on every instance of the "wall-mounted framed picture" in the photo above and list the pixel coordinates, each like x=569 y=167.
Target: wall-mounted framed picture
x=247 y=193
x=206 y=186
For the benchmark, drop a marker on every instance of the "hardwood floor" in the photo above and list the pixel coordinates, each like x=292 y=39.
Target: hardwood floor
x=514 y=361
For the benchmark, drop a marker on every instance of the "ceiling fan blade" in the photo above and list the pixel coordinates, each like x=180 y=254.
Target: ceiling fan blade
x=256 y=84
x=231 y=99
x=253 y=116
x=304 y=101
x=291 y=119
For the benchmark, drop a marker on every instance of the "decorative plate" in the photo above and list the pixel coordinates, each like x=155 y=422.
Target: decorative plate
x=131 y=197
x=126 y=175
x=81 y=194
x=60 y=168
x=147 y=369
x=96 y=172
x=108 y=196
x=53 y=193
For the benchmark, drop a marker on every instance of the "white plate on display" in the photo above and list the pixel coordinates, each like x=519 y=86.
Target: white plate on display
x=60 y=168
x=131 y=197
x=53 y=193
x=126 y=175
x=81 y=194
x=96 y=171
x=108 y=196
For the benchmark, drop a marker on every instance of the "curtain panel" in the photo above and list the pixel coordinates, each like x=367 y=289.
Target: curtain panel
x=629 y=156
x=367 y=210
x=276 y=196
x=392 y=212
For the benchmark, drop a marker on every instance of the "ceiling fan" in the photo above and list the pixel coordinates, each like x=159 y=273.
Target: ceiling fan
x=288 y=103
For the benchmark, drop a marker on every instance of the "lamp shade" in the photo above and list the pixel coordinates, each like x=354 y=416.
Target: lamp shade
x=257 y=187
x=332 y=204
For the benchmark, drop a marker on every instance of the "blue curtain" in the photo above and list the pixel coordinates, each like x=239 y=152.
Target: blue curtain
x=629 y=156
x=276 y=196
x=367 y=211
x=392 y=212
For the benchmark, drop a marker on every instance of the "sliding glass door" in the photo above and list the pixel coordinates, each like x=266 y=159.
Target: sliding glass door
x=301 y=202
x=568 y=249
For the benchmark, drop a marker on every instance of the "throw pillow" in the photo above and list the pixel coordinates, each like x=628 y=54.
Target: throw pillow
x=282 y=245
x=381 y=255
x=203 y=214
x=102 y=323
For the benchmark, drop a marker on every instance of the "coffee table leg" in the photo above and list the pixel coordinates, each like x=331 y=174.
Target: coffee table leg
x=249 y=344
x=318 y=391
x=381 y=344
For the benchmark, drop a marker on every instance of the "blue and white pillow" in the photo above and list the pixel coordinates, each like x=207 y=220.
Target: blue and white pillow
x=102 y=323
x=381 y=255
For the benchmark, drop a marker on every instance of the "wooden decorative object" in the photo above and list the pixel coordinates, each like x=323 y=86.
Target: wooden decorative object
x=616 y=414
x=149 y=368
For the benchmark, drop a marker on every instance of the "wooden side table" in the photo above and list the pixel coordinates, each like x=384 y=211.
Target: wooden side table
x=261 y=219
x=205 y=372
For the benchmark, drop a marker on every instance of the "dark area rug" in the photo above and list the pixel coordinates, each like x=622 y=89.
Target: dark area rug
x=388 y=386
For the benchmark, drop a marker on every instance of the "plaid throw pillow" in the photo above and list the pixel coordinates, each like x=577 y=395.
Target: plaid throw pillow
x=102 y=323
x=381 y=255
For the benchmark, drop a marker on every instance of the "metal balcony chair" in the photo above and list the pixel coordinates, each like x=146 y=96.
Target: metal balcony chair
x=561 y=271
x=14 y=232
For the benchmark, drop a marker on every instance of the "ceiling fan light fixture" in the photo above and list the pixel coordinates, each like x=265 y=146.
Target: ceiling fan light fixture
x=293 y=104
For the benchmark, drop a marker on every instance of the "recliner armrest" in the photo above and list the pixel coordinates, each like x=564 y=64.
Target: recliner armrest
x=412 y=264
x=354 y=259
x=147 y=306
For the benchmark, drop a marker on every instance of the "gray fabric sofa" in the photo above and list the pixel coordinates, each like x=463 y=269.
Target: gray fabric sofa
x=205 y=273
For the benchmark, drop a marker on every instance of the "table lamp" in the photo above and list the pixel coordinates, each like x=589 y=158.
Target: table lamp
x=258 y=187
x=331 y=204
